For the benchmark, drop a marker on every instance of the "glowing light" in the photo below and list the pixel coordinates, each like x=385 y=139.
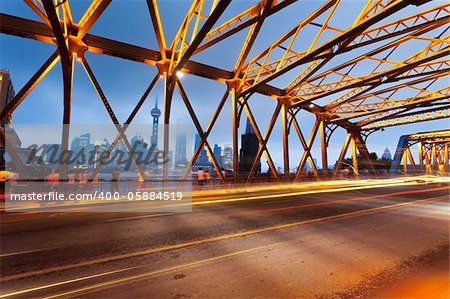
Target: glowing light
x=179 y=74
x=74 y=54
x=311 y=105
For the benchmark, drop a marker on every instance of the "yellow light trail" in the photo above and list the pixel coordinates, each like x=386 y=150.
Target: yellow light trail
x=201 y=197
x=300 y=193
x=187 y=244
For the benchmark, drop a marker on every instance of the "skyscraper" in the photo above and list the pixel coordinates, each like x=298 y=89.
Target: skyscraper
x=228 y=156
x=80 y=142
x=100 y=146
x=53 y=153
x=249 y=148
x=138 y=143
x=138 y=146
x=218 y=154
x=156 y=113
x=202 y=158
x=7 y=92
x=180 y=150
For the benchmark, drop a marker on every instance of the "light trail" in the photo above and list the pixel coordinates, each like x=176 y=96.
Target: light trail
x=331 y=202
x=202 y=197
x=281 y=195
x=209 y=240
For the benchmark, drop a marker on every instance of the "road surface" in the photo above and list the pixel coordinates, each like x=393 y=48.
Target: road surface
x=348 y=243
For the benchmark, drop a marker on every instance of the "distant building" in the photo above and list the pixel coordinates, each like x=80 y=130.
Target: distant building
x=202 y=158
x=180 y=150
x=82 y=141
x=249 y=148
x=155 y=113
x=139 y=146
x=7 y=92
x=100 y=147
x=218 y=154
x=120 y=154
x=53 y=153
x=170 y=163
x=228 y=156
x=104 y=144
x=387 y=154
x=121 y=146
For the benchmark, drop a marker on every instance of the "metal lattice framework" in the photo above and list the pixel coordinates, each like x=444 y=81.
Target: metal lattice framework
x=378 y=85
x=433 y=152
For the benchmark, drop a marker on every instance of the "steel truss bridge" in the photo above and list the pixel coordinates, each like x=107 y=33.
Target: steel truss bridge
x=379 y=86
x=433 y=152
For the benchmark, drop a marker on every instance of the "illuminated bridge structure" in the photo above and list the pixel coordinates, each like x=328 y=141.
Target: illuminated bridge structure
x=433 y=152
x=379 y=84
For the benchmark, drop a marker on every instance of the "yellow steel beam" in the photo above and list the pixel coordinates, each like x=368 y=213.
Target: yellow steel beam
x=420 y=116
x=38 y=8
x=261 y=69
x=157 y=27
x=241 y=21
x=91 y=15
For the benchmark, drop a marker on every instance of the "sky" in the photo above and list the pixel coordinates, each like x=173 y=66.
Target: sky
x=124 y=82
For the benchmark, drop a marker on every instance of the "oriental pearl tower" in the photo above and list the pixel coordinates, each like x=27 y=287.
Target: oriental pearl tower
x=155 y=113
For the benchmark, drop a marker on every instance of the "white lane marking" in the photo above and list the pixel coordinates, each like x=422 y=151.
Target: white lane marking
x=139 y=217
x=65 y=282
x=25 y=252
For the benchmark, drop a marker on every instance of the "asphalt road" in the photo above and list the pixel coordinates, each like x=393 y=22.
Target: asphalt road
x=312 y=245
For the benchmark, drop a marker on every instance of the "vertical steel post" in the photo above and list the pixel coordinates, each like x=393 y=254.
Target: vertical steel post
x=285 y=133
x=323 y=146
x=419 y=145
x=68 y=84
x=411 y=159
x=405 y=161
x=235 y=126
x=354 y=157
x=434 y=157
x=446 y=156
x=168 y=93
x=428 y=156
